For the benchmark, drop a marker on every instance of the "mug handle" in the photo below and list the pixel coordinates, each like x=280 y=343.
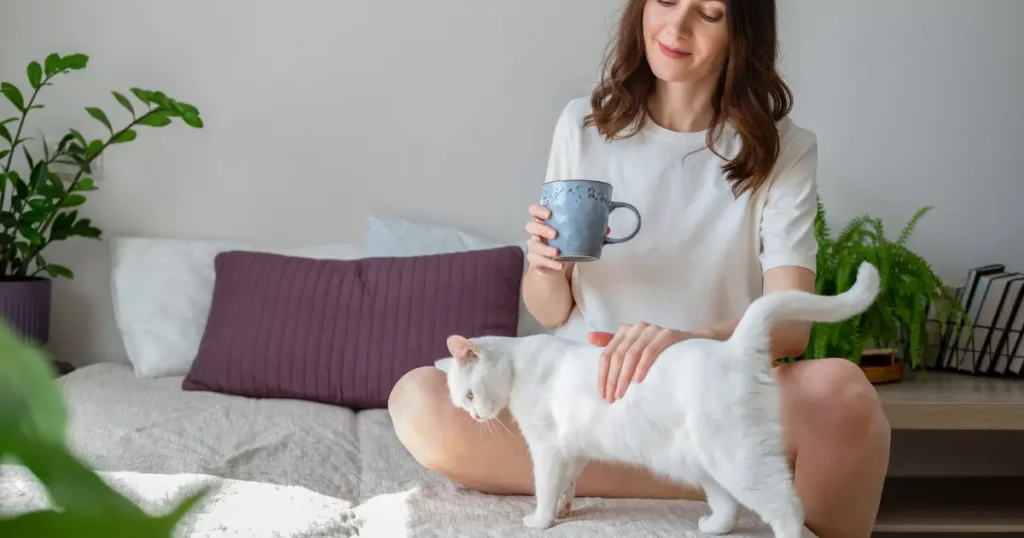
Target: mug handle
x=614 y=240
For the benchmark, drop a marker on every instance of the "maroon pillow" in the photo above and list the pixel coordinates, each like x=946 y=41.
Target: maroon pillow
x=344 y=331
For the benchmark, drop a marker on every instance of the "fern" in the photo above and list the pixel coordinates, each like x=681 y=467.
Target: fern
x=909 y=287
x=908 y=230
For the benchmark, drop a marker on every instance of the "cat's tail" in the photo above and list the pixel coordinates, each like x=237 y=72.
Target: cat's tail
x=753 y=333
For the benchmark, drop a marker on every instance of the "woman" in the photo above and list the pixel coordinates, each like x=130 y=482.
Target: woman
x=690 y=125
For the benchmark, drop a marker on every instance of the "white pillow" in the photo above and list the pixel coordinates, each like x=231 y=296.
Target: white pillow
x=392 y=236
x=162 y=289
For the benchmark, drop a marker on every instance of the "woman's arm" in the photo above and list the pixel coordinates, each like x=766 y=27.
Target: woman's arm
x=546 y=290
x=548 y=295
x=789 y=339
x=789 y=247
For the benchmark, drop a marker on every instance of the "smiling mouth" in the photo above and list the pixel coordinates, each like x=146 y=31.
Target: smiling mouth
x=670 y=52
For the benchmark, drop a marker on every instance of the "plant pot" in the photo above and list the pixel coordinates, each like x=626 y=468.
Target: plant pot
x=25 y=308
x=881 y=366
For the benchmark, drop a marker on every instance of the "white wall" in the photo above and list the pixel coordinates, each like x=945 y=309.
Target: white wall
x=319 y=112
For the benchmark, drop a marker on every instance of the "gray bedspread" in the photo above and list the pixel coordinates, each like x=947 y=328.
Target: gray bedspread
x=351 y=463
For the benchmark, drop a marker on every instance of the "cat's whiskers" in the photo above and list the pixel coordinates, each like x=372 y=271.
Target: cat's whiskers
x=502 y=423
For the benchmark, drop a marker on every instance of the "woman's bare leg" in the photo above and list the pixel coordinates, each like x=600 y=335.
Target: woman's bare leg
x=837 y=439
x=835 y=425
x=493 y=458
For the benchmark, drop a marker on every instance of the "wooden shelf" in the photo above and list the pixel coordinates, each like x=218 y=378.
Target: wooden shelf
x=948 y=401
x=952 y=505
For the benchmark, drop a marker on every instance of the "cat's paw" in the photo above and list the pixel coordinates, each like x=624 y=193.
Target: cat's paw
x=564 y=507
x=712 y=524
x=565 y=501
x=534 y=522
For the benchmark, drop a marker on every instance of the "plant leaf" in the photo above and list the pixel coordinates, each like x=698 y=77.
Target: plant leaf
x=84 y=185
x=124 y=102
x=4 y=153
x=101 y=116
x=76 y=61
x=155 y=119
x=20 y=187
x=52 y=64
x=34 y=216
x=126 y=136
x=41 y=204
x=192 y=119
x=61 y=228
x=142 y=95
x=73 y=200
x=67 y=139
x=28 y=397
x=38 y=172
x=185 y=108
x=78 y=136
x=6 y=135
x=52 y=188
x=56 y=271
x=35 y=75
x=8 y=220
x=13 y=95
x=31 y=234
x=94 y=148
x=84 y=228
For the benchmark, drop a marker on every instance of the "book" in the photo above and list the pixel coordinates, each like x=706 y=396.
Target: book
x=993 y=301
x=948 y=354
x=1009 y=305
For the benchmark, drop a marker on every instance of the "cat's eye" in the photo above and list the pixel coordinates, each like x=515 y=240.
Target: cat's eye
x=469 y=395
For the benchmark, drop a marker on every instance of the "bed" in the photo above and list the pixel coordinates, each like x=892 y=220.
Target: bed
x=300 y=469
x=287 y=466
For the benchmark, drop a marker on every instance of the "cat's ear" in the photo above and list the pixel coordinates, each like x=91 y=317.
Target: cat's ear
x=444 y=364
x=462 y=349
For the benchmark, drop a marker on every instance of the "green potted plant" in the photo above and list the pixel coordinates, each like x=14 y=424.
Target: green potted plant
x=895 y=328
x=41 y=190
x=32 y=433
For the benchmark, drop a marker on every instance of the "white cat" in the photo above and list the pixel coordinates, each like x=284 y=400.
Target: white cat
x=707 y=414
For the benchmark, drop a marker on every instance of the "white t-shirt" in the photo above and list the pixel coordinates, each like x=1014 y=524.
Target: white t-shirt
x=701 y=252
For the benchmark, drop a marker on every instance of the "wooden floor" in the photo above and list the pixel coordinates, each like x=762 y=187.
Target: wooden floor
x=933 y=505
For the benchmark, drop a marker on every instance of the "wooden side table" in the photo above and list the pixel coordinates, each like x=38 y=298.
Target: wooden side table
x=967 y=505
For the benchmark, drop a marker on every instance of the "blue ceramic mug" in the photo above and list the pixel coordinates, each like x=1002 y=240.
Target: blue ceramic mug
x=579 y=214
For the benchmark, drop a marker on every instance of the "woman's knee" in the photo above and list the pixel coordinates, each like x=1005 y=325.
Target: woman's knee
x=417 y=405
x=834 y=397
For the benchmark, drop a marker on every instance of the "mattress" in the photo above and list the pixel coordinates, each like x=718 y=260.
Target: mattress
x=295 y=468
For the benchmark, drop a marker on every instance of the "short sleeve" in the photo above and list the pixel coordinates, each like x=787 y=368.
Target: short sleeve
x=791 y=204
x=563 y=159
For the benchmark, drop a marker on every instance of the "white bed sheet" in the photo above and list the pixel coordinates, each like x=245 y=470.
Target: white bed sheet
x=303 y=469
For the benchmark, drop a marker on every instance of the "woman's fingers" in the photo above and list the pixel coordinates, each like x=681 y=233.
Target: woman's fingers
x=600 y=339
x=661 y=341
x=541 y=261
x=538 y=211
x=538 y=229
x=611 y=361
x=537 y=247
x=632 y=355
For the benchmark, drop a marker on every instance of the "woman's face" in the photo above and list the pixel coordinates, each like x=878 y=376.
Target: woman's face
x=686 y=40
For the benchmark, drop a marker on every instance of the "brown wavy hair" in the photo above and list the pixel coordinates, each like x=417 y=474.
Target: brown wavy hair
x=751 y=95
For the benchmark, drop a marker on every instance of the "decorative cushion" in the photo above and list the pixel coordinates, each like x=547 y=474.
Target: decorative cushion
x=343 y=332
x=162 y=289
x=392 y=236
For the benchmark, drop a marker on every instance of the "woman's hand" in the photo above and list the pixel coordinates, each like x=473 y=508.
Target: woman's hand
x=539 y=254
x=629 y=354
